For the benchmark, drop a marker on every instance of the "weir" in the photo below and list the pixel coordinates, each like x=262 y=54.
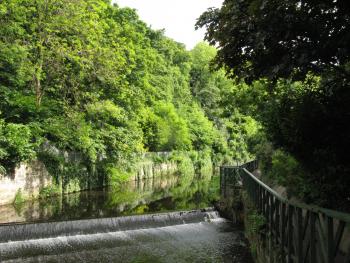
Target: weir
x=186 y=236
x=164 y=222
x=21 y=232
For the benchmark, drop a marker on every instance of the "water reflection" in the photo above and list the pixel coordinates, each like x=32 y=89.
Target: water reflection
x=164 y=193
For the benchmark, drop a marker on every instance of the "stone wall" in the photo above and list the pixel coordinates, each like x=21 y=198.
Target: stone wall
x=149 y=169
x=28 y=178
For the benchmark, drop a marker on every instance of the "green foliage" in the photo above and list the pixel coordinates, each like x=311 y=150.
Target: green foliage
x=202 y=131
x=264 y=155
x=285 y=170
x=202 y=162
x=19 y=198
x=235 y=132
x=87 y=87
x=295 y=57
x=244 y=134
x=255 y=223
x=15 y=144
x=205 y=84
x=306 y=118
x=278 y=38
x=117 y=175
x=185 y=164
x=118 y=195
x=49 y=191
x=2 y=170
x=74 y=185
x=166 y=130
x=283 y=167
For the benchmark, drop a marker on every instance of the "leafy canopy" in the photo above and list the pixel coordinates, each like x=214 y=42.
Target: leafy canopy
x=270 y=38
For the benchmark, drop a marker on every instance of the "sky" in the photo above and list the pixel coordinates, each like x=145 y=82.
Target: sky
x=177 y=17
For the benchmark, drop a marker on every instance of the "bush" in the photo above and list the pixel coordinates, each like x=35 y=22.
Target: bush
x=19 y=198
x=49 y=191
x=281 y=168
x=117 y=175
x=203 y=133
x=264 y=155
x=255 y=222
x=165 y=130
x=15 y=144
x=202 y=163
x=184 y=163
x=244 y=133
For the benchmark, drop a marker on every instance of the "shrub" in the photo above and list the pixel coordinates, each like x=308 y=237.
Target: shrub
x=49 y=191
x=15 y=144
x=117 y=175
x=184 y=164
x=255 y=222
x=281 y=168
x=165 y=130
x=19 y=198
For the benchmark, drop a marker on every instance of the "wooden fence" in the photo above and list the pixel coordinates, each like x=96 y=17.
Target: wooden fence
x=300 y=233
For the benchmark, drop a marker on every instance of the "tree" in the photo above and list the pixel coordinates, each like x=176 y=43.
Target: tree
x=269 y=38
x=204 y=84
x=88 y=77
x=301 y=49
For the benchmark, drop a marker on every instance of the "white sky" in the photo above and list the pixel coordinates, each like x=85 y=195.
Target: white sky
x=177 y=17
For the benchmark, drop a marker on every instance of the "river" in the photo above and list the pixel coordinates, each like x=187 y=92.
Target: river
x=166 y=219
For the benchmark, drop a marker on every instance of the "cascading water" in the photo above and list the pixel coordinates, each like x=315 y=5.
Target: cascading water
x=19 y=232
x=190 y=236
x=100 y=226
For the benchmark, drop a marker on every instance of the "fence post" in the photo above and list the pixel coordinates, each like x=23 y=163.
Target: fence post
x=312 y=237
x=304 y=233
x=283 y=232
x=299 y=241
x=221 y=180
x=330 y=240
x=290 y=234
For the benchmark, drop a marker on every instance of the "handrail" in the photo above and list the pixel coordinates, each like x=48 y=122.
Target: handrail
x=269 y=189
x=329 y=212
x=303 y=232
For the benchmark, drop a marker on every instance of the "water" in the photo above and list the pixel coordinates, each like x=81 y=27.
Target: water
x=200 y=237
x=20 y=232
x=165 y=193
x=131 y=223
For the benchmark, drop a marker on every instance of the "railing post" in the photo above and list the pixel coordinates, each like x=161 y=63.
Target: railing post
x=312 y=237
x=221 y=180
x=277 y=220
x=290 y=234
x=283 y=231
x=225 y=179
x=304 y=233
x=299 y=241
x=271 y=216
x=271 y=224
x=265 y=203
x=330 y=240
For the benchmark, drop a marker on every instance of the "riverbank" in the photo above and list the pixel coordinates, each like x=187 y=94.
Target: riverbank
x=63 y=173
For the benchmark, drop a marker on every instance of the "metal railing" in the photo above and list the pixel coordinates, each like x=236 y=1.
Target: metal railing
x=301 y=233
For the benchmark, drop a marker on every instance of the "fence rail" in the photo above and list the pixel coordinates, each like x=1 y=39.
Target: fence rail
x=302 y=233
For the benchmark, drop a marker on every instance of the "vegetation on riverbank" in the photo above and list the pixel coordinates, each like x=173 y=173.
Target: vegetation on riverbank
x=290 y=61
x=87 y=87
